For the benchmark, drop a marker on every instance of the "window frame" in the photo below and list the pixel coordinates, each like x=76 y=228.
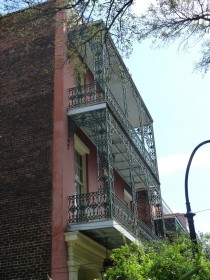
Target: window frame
x=128 y=199
x=82 y=150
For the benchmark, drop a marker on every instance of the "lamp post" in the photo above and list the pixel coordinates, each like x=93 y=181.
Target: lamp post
x=189 y=215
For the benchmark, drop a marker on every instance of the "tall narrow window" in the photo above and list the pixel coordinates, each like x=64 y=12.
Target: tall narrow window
x=79 y=78
x=127 y=199
x=80 y=157
x=79 y=173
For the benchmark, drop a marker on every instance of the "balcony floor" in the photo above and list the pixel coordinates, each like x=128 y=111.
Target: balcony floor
x=104 y=231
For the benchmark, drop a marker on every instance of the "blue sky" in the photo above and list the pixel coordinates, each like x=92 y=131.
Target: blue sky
x=179 y=102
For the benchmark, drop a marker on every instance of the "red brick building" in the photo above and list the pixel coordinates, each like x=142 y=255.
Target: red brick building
x=78 y=160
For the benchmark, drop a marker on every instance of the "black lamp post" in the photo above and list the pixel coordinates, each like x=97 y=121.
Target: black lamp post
x=189 y=215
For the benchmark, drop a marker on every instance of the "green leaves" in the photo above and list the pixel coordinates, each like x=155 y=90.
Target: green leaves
x=160 y=260
x=185 y=21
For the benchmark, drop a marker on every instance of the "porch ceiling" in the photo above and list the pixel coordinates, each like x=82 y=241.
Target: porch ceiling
x=107 y=233
x=121 y=160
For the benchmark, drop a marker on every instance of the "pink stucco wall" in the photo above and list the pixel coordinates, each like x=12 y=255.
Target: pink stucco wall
x=120 y=185
x=89 y=77
x=62 y=155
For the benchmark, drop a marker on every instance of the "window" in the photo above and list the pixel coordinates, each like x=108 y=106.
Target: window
x=79 y=78
x=79 y=170
x=127 y=199
x=80 y=156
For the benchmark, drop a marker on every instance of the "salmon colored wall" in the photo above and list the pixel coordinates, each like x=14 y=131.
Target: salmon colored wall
x=62 y=156
x=120 y=185
x=89 y=77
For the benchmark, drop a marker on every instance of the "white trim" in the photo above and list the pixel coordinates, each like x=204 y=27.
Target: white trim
x=85 y=253
x=101 y=225
x=127 y=195
x=127 y=198
x=82 y=110
x=81 y=148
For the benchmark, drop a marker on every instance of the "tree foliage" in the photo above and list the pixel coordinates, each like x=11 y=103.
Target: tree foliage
x=187 y=21
x=160 y=261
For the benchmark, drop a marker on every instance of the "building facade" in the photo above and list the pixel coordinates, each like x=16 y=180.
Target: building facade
x=78 y=159
x=175 y=223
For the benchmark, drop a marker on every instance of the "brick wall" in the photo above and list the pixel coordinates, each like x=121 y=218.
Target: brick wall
x=143 y=207
x=26 y=114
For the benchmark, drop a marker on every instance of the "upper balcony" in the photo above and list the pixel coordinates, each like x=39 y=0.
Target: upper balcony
x=92 y=96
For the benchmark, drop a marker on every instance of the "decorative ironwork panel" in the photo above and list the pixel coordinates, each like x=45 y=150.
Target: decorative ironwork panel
x=144 y=232
x=132 y=181
x=147 y=177
x=125 y=97
x=170 y=224
x=123 y=214
x=97 y=49
x=173 y=224
x=103 y=139
x=86 y=95
x=156 y=202
x=160 y=227
x=145 y=212
x=94 y=206
x=149 y=139
x=129 y=129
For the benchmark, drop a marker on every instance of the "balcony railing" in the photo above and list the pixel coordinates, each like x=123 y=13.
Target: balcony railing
x=91 y=94
x=95 y=206
x=173 y=224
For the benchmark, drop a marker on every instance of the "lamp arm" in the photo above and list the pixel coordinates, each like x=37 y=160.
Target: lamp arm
x=189 y=215
x=187 y=173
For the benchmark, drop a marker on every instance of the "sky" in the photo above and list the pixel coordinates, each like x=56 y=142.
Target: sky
x=179 y=101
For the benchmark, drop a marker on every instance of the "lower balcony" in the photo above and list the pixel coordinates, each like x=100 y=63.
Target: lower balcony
x=105 y=219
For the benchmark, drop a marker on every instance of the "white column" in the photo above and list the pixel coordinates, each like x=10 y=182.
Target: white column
x=73 y=264
x=73 y=268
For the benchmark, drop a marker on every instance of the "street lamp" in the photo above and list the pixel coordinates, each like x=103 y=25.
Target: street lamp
x=189 y=215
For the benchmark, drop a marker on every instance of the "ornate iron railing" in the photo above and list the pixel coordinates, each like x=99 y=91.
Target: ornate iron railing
x=86 y=95
x=173 y=224
x=90 y=94
x=96 y=206
x=89 y=207
x=123 y=214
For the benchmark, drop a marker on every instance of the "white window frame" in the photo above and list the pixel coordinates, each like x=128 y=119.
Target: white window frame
x=79 y=78
x=82 y=150
x=127 y=199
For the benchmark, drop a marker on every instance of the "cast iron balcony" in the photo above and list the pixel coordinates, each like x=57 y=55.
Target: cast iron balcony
x=92 y=94
x=89 y=208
